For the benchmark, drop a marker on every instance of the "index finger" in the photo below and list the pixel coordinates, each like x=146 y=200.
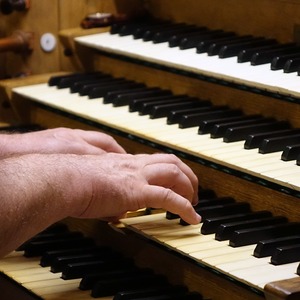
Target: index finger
x=159 y=197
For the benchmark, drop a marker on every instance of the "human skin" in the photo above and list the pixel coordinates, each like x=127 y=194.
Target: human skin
x=58 y=140
x=38 y=190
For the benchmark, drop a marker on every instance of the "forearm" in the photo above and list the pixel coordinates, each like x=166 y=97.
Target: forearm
x=31 y=197
x=8 y=147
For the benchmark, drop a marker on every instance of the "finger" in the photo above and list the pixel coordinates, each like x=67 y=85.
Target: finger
x=159 y=197
x=172 y=159
x=169 y=176
x=101 y=140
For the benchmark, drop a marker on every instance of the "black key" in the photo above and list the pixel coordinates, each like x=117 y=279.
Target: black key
x=245 y=55
x=39 y=247
x=78 y=270
x=290 y=152
x=55 y=80
x=240 y=133
x=210 y=225
x=176 y=39
x=48 y=235
x=223 y=209
x=116 y=27
x=255 y=140
x=196 y=118
x=149 y=292
x=164 y=36
x=286 y=254
x=132 y=27
x=220 y=129
x=110 y=287
x=146 y=107
x=234 y=49
x=207 y=125
x=118 y=99
x=60 y=262
x=45 y=236
x=298 y=160
x=189 y=115
x=245 y=237
x=193 y=40
x=278 y=143
x=79 y=84
x=175 y=115
x=202 y=194
x=136 y=104
x=86 y=88
x=48 y=256
x=279 y=62
x=204 y=45
x=215 y=48
x=127 y=28
x=267 y=247
x=69 y=81
x=266 y=56
x=111 y=95
x=99 y=92
x=150 y=33
x=226 y=230
x=292 y=65
x=160 y=111
x=139 y=32
x=89 y=280
x=76 y=86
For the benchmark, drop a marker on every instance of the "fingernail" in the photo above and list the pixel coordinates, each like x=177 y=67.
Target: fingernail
x=199 y=218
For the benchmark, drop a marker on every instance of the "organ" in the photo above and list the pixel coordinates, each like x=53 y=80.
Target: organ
x=264 y=181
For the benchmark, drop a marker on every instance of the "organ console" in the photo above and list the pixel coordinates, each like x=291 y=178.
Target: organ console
x=187 y=81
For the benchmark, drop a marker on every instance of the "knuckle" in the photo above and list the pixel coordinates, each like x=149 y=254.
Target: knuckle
x=174 y=171
x=167 y=195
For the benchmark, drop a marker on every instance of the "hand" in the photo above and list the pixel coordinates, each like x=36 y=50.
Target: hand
x=121 y=182
x=38 y=190
x=62 y=140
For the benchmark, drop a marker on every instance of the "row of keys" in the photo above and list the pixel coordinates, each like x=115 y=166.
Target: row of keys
x=247 y=48
x=100 y=269
x=255 y=63
x=236 y=223
x=266 y=134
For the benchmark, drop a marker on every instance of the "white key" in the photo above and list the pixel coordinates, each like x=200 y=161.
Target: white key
x=186 y=140
x=260 y=76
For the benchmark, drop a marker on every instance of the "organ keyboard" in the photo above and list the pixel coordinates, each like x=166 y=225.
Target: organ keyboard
x=259 y=77
x=267 y=167
x=238 y=92
x=236 y=263
x=52 y=270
